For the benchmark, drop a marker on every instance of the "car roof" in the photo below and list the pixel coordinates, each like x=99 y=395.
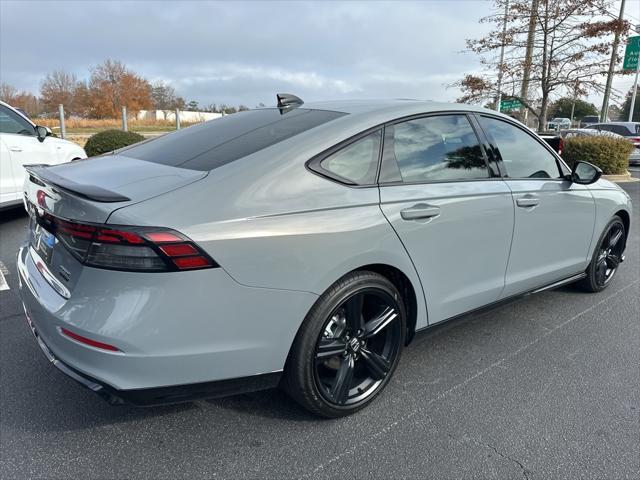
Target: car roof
x=392 y=107
x=626 y=124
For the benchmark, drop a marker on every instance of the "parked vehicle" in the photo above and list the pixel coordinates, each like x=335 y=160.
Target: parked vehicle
x=590 y=120
x=559 y=123
x=301 y=246
x=629 y=130
x=554 y=140
x=587 y=132
x=23 y=142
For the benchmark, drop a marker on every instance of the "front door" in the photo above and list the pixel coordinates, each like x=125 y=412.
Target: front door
x=454 y=217
x=19 y=137
x=554 y=218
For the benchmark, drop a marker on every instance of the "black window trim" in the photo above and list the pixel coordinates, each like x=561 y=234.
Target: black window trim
x=314 y=164
x=563 y=169
x=491 y=174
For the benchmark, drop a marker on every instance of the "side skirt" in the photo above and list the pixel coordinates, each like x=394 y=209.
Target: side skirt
x=503 y=301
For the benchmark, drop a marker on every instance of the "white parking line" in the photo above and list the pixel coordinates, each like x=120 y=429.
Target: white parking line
x=3 y=283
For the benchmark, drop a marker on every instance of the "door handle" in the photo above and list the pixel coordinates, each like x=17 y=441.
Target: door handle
x=15 y=149
x=420 y=211
x=527 y=202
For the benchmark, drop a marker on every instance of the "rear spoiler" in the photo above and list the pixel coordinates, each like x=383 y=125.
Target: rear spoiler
x=41 y=173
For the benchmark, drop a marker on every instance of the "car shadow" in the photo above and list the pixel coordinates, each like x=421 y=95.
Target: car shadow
x=12 y=213
x=43 y=399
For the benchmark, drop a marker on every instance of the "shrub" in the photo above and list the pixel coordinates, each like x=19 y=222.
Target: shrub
x=110 y=140
x=610 y=154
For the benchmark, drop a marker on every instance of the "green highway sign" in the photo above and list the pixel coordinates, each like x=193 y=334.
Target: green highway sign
x=508 y=105
x=631 y=54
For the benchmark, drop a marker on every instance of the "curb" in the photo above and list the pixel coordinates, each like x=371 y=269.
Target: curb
x=624 y=178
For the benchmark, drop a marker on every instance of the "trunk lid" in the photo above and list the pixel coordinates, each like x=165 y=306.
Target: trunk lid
x=88 y=191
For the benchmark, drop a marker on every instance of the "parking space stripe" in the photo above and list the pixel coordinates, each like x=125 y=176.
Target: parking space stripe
x=3 y=282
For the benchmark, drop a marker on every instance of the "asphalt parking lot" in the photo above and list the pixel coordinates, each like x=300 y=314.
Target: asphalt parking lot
x=544 y=387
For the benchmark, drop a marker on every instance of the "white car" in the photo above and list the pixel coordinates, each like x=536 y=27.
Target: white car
x=22 y=142
x=559 y=123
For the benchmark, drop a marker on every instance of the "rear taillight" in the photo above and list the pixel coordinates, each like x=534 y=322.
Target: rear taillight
x=139 y=249
x=560 y=146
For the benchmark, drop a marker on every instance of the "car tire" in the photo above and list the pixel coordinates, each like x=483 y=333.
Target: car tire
x=607 y=257
x=341 y=360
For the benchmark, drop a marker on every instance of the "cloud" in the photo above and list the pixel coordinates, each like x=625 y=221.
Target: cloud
x=245 y=52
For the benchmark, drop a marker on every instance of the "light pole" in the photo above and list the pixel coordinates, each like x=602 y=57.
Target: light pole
x=500 y=67
x=604 y=113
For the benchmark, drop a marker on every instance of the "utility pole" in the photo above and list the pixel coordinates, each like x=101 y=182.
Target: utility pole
x=575 y=98
x=612 y=63
x=501 y=67
x=526 y=74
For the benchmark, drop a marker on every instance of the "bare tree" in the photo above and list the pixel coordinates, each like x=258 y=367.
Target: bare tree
x=26 y=101
x=568 y=51
x=59 y=87
x=8 y=92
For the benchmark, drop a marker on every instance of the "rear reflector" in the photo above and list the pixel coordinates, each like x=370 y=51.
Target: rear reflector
x=88 y=341
x=163 y=237
x=127 y=248
x=188 y=263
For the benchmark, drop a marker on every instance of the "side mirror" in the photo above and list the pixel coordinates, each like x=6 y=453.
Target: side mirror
x=42 y=132
x=585 y=173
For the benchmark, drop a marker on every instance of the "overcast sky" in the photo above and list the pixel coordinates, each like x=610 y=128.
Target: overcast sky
x=233 y=52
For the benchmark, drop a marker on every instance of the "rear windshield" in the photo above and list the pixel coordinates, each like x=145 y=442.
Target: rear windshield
x=217 y=142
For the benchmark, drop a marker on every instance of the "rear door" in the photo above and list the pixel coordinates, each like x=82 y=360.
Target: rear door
x=451 y=210
x=554 y=218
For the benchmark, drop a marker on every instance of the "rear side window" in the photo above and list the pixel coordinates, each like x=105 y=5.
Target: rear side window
x=218 y=142
x=523 y=156
x=620 y=130
x=438 y=148
x=357 y=162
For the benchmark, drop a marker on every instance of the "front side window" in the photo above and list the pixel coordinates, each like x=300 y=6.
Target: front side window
x=357 y=162
x=438 y=148
x=11 y=122
x=523 y=156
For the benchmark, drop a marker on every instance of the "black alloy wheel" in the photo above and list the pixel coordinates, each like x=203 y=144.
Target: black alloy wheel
x=348 y=346
x=610 y=254
x=607 y=257
x=358 y=346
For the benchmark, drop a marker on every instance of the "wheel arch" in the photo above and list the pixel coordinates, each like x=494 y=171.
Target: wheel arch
x=626 y=220
x=406 y=289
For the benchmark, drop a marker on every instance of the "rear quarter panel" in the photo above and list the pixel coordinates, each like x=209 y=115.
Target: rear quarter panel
x=269 y=222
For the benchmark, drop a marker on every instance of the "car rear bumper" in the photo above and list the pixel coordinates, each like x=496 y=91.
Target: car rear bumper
x=177 y=340
x=147 y=397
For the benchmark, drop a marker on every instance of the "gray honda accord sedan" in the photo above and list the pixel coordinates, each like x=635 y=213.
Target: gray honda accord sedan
x=301 y=246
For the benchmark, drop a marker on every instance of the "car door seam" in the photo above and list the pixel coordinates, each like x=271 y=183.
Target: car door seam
x=424 y=297
x=513 y=233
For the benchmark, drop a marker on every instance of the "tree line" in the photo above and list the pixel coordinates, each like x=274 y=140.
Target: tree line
x=110 y=86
